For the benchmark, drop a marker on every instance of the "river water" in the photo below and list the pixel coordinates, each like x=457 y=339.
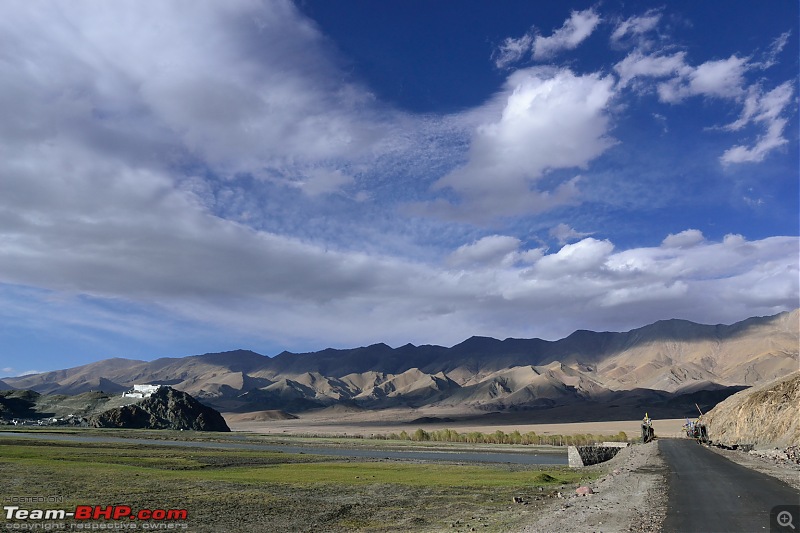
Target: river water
x=556 y=457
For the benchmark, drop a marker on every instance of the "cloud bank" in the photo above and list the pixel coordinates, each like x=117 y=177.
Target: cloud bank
x=145 y=152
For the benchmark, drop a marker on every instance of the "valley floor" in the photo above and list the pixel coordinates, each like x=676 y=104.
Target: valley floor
x=248 y=490
x=394 y=421
x=235 y=488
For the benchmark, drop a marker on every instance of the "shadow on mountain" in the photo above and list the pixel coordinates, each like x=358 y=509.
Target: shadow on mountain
x=617 y=405
x=270 y=400
x=20 y=404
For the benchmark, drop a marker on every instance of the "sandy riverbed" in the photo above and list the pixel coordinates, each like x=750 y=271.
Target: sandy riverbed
x=366 y=424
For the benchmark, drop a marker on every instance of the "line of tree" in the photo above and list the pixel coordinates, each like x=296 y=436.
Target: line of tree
x=500 y=437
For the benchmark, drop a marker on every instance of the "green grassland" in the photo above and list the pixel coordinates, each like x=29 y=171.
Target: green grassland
x=242 y=490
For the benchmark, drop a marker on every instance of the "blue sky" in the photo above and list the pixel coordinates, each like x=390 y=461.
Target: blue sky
x=185 y=177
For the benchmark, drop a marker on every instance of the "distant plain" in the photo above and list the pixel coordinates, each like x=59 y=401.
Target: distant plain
x=394 y=421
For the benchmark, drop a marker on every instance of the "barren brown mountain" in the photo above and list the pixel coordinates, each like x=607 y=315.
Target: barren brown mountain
x=670 y=364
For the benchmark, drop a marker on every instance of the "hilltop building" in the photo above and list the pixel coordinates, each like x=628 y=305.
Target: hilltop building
x=141 y=391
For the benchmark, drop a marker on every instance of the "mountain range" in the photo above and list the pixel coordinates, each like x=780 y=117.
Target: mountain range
x=670 y=362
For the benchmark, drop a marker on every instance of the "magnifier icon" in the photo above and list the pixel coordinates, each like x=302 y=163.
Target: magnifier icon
x=785 y=519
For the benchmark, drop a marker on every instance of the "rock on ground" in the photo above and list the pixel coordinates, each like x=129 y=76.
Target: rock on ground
x=631 y=496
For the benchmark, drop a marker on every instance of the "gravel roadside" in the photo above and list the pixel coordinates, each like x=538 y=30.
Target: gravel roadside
x=631 y=496
x=766 y=462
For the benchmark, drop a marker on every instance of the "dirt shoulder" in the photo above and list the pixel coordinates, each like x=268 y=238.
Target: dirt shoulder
x=631 y=496
x=765 y=463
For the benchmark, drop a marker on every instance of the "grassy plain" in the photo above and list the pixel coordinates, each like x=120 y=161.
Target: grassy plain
x=243 y=490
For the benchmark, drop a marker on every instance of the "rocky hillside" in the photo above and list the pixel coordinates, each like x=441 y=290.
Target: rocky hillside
x=665 y=361
x=167 y=408
x=766 y=416
x=31 y=405
x=19 y=404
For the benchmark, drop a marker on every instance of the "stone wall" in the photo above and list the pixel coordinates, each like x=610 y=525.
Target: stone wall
x=591 y=455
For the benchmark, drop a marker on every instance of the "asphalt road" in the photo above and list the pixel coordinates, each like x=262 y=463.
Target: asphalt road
x=710 y=493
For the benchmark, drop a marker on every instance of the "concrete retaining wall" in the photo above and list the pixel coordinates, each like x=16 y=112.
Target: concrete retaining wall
x=591 y=455
x=574 y=457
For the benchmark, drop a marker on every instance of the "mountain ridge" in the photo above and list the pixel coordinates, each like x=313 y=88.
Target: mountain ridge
x=480 y=373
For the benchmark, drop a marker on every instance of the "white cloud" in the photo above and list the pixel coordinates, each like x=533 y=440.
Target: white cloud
x=665 y=292
x=772 y=139
x=550 y=119
x=722 y=79
x=635 y=27
x=718 y=78
x=732 y=239
x=564 y=233
x=770 y=58
x=582 y=257
x=684 y=239
x=106 y=229
x=187 y=265
x=768 y=106
x=636 y=64
x=589 y=279
x=755 y=203
x=186 y=87
x=706 y=275
x=575 y=30
x=766 y=110
x=513 y=50
x=491 y=250
x=322 y=181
